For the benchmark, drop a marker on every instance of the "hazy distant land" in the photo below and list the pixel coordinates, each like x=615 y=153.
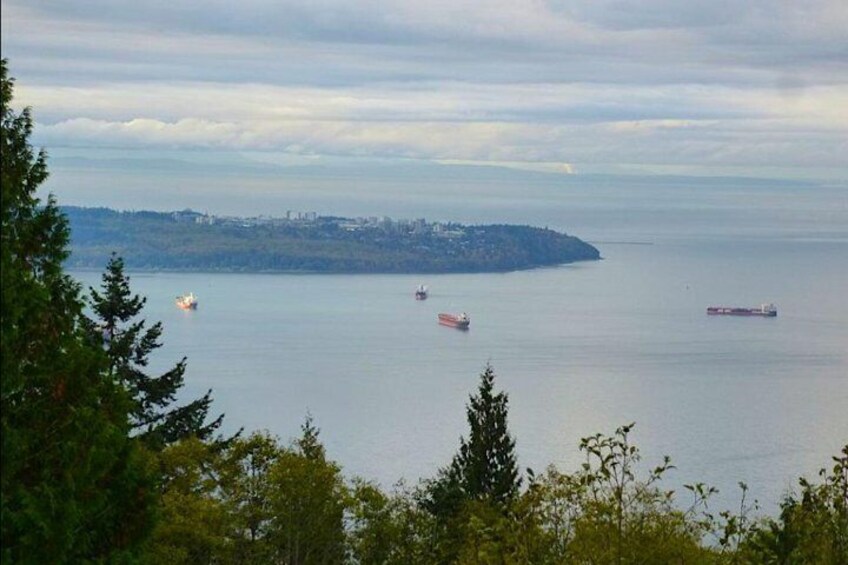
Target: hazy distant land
x=306 y=242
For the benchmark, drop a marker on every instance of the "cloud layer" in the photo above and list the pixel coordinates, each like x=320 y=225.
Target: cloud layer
x=652 y=83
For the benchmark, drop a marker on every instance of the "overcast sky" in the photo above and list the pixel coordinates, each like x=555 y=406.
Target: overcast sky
x=714 y=87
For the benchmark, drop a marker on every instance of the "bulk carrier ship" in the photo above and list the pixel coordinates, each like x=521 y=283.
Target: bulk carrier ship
x=459 y=321
x=764 y=310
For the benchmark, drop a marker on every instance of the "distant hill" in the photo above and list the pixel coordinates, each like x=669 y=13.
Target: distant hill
x=190 y=241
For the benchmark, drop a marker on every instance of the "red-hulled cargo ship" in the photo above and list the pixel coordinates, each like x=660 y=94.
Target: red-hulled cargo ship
x=765 y=310
x=459 y=321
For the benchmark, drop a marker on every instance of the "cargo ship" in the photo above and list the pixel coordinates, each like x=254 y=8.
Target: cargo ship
x=421 y=292
x=766 y=310
x=459 y=321
x=187 y=301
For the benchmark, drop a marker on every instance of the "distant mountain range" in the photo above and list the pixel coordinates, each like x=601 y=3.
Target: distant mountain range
x=305 y=242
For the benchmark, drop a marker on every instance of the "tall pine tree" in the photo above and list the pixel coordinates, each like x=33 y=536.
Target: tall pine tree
x=128 y=344
x=482 y=477
x=75 y=487
x=486 y=466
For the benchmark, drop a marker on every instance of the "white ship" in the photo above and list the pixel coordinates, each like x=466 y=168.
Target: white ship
x=421 y=292
x=187 y=301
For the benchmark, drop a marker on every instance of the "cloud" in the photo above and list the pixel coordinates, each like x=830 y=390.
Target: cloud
x=778 y=142
x=653 y=81
x=438 y=101
x=290 y=42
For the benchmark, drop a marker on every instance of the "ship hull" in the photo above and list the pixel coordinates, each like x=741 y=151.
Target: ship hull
x=452 y=321
x=722 y=311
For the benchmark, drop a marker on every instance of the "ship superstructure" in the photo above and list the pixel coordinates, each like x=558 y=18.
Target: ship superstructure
x=187 y=301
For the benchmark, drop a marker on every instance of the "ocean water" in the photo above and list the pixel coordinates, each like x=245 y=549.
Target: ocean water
x=580 y=348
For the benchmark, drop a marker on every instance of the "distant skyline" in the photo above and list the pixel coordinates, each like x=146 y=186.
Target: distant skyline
x=757 y=88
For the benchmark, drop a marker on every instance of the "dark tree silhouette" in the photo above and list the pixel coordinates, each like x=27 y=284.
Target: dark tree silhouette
x=128 y=344
x=75 y=487
x=486 y=465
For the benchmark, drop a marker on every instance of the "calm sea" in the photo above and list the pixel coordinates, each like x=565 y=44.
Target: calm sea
x=580 y=349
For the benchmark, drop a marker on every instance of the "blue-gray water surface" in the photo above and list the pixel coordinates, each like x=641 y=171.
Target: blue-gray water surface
x=580 y=348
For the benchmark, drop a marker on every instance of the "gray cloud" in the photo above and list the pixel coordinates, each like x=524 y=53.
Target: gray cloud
x=486 y=41
x=720 y=83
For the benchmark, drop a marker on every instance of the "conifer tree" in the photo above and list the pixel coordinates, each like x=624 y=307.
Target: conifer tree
x=128 y=344
x=309 y=443
x=74 y=486
x=481 y=478
x=486 y=466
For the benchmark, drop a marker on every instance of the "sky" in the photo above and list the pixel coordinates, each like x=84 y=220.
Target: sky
x=753 y=88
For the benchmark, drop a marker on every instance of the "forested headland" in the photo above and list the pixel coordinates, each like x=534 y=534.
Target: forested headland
x=101 y=463
x=190 y=241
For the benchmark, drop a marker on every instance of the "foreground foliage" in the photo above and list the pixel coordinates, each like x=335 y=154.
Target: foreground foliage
x=74 y=485
x=255 y=501
x=812 y=526
x=258 y=502
x=80 y=420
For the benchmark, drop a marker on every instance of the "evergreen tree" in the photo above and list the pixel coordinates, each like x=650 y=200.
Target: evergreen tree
x=128 y=345
x=482 y=479
x=486 y=466
x=74 y=486
x=308 y=443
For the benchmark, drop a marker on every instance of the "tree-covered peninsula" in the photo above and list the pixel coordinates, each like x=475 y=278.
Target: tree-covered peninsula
x=192 y=241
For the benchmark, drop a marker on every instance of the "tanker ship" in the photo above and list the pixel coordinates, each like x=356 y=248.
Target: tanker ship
x=766 y=310
x=187 y=301
x=459 y=321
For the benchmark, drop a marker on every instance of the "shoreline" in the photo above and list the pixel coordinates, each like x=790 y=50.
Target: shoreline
x=149 y=270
